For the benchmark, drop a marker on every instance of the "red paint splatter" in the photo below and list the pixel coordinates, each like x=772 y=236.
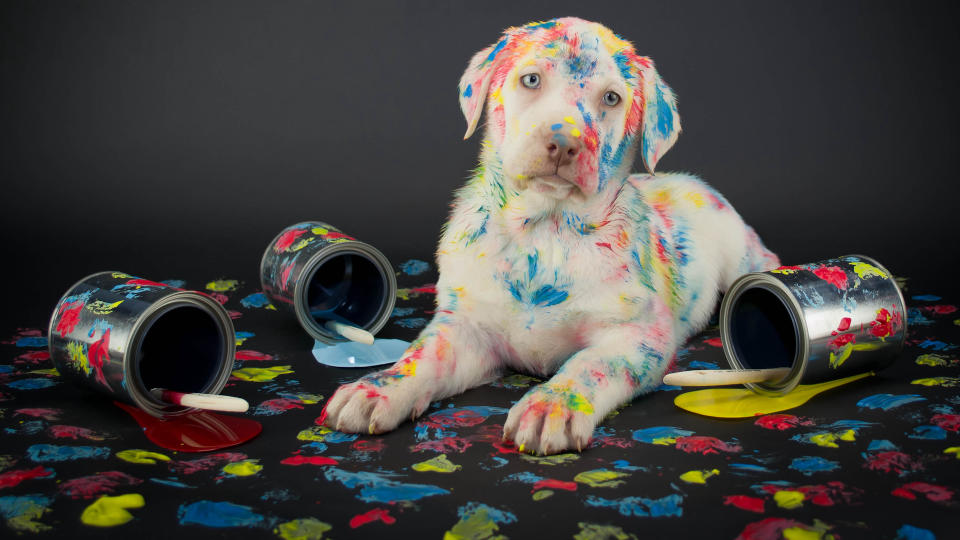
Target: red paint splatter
x=931 y=491
x=941 y=309
x=69 y=314
x=139 y=282
x=220 y=298
x=745 y=502
x=833 y=275
x=47 y=414
x=791 y=268
x=457 y=418
x=781 y=421
x=234 y=315
x=506 y=447
x=369 y=445
x=250 y=355
x=882 y=327
x=33 y=357
x=285 y=276
x=308 y=460
x=280 y=405
x=843 y=339
x=99 y=355
x=714 y=342
x=844 y=324
x=705 y=445
x=209 y=462
x=429 y=288
x=949 y=422
x=287 y=239
x=770 y=529
x=334 y=235
x=605 y=245
x=550 y=483
x=74 y=432
x=827 y=494
x=445 y=445
x=892 y=461
x=88 y=487
x=377 y=514
x=13 y=478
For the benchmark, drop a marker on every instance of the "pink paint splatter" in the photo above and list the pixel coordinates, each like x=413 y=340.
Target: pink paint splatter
x=714 y=342
x=377 y=514
x=949 y=422
x=833 y=275
x=781 y=422
x=705 y=445
x=47 y=414
x=13 y=478
x=770 y=529
x=745 y=502
x=206 y=463
x=88 y=487
x=285 y=276
x=220 y=298
x=74 y=432
x=309 y=460
x=369 y=445
x=280 y=405
x=892 y=461
x=251 y=355
x=941 y=309
x=932 y=492
x=446 y=445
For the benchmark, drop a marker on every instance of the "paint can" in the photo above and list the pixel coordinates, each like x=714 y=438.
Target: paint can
x=826 y=320
x=321 y=274
x=122 y=336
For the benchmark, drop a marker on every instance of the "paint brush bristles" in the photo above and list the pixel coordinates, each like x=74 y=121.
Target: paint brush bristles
x=722 y=377
x=350 y=332
x=209 y=402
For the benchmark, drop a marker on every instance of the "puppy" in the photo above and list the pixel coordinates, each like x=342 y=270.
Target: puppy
x=556 y=260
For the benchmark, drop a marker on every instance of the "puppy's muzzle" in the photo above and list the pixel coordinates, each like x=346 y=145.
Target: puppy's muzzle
x=561 y=150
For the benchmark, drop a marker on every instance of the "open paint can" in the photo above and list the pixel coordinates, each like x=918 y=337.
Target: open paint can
x=123 y=336
x=322 y=275
x=827 y=320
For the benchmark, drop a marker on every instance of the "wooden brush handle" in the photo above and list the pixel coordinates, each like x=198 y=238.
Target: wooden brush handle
x=722 y=377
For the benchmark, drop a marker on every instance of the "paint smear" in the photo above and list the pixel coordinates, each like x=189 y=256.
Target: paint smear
x=601 y=478
x=661 y=435
x=668 y=506
x=743 y=403
x=478 y=522
x=46 y=453
x=595 y=531
x=14 y=478
x=789 y=499
x=745 y=502
x=438 y=464
x=886 y=402
x=218 y=514
x=111 y=511
x=302 y=529
x=141 y=456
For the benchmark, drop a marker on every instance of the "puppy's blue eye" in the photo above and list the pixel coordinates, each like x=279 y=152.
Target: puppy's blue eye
x=530 y=80
x=611 y=99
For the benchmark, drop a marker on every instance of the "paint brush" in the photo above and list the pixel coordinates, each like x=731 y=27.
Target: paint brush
x=350 y=332
x=210 y=402
x=721 y=377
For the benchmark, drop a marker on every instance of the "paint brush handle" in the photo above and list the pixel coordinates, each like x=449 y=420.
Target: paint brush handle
x=350 y=332
x=210 y=402
x=721 y=377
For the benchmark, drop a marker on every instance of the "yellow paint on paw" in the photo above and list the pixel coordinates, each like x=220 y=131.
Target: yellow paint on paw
x=111 y=511
x=255 y=374
x=542 y=494
x=698 y=477
x=302 y=529
x=789 y=499
x=222 y=285
x=865 y=271
x=438 y=464
x=246 y=467
x=601 y=478
x=141 y=456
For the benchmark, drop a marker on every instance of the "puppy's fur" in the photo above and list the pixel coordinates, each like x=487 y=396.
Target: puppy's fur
x=556 y=260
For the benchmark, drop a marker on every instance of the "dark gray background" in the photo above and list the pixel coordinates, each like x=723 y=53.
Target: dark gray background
x=175 y=139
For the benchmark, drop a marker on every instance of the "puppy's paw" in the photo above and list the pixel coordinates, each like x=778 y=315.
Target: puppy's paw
x=365 y=407
x=550 y=419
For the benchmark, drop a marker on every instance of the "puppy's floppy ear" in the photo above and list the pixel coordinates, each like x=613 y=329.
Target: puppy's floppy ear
x=661 y=123
x=476 y=82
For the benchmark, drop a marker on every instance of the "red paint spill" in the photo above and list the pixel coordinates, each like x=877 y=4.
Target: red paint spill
x=931 y=491
x=705 y=445
x=550 y=483
x=949 y=422
x=13 y=478
x=781 y=421
x=714 y=342
x=309 y=460
x=195 y=432
x=892 y=461
x=256 y=356
x=833 y=275
x=47 y=414
x=368 y=445
x=377 y=514
x=745 y=502
x=88 y=487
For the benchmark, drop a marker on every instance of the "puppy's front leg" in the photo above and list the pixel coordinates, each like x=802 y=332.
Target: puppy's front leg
x=561 y=413
x=450 y=356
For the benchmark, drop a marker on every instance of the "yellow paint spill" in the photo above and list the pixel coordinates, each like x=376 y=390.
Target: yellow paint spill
x=222 y=285
x=314 y=433
x=302 y=529
x=743 y=403
x=569 y=120
x=100 y=307
x=865 y=270
x=575 y=132
x=110 y=511
x=136 y=455
x=438 y=464
x=698 y=477
x=557 y=459
x=789 y=499
x=256 y=374
x=601 y=478
x=246 y=467
x=948 y=382
x=542 y=494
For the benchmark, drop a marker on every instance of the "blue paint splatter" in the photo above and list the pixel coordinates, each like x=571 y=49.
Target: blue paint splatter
x=32 y=384
x=501 y=517
x=32 y=342
x=279 y=495
x=909 y=532
x=669 y=506
x=888 y=401
x=219 y=514
x=653 y=434
x=883 y=445
x=402 y=311
x=27 y=428
x=496 y=50
x=338 y=437
x=915 y=317
x=4 y=369
x=625 y=465
x=255 y=300
x=175 y=283
x=548 y=296
x=935 y=433
x=468 y=91
x=411 y=322
x=748 y=468
x=699 y=364
x=525 y=477
x=414 y=267
x=378 y=487
x=555 y=127
x=13 y=506
x=937 y=345
x=927 y=297
x=44 y=453
x=813 y=464
x=315 y=447
x=171 y=483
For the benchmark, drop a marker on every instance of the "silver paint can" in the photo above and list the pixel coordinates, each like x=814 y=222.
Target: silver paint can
x=826 y=320
x=321 y=274
x=122 y=335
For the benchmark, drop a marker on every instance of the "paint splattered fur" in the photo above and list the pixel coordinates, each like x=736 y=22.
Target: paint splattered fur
x=556 y=260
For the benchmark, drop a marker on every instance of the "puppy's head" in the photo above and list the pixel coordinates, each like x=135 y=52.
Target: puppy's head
x=567 y=100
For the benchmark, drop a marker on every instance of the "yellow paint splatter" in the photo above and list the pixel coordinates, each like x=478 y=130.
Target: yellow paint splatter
x=601 y=478
x=255 y=374
x=407 y=368
x=302 y=529
x=438 y=464
x=78 y=356
x=308 y=399
x=698 y=477
x=246 y=467
x=955 y=450
x=575 y=132
x=948 y=382
x=932 y=360
x=542 y=494
x=496 y=96
x=594 y=531
x=475 y=524
x=569 y=120
x=120 y=275
x=828 y=440
x=785 y=271
x=799 y=533
x=320 y=231
x=837 y=360
x=25 y=513
x=789 y=499
x=110 y=511
x=557 y=459
x=141 y=456
x=100 y=307
x=304 y=242
x=222 y=285
x=696 y=198
x=314 y=433
x=865 y=271
x=49 y=372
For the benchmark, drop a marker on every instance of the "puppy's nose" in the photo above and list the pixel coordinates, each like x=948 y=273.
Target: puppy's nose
x=562 y=150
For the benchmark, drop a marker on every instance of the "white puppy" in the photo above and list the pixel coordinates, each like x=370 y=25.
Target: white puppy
x=556 y=260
